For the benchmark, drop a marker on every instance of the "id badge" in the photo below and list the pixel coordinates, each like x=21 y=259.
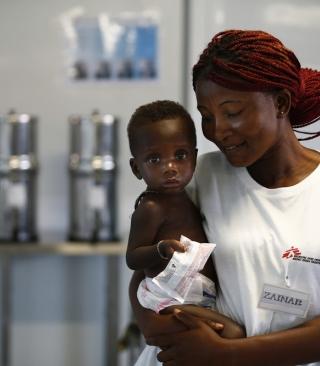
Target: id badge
x=284 y=300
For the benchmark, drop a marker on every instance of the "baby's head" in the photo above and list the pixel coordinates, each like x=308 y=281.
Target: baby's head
x=162 y=141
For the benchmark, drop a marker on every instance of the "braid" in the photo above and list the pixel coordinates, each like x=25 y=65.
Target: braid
x=307 y=110
x=257 y=61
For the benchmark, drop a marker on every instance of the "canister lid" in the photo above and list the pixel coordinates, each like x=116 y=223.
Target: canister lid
x=93 y=135
x=4 y=139
x=22 y=133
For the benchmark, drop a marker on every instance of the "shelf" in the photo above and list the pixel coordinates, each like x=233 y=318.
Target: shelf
x=112 y=252
x=63 y=248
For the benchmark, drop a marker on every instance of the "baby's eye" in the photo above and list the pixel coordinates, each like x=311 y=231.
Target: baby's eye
x=181 y=155
x=153 y=160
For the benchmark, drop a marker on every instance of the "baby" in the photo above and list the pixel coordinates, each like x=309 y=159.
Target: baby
x=162 y=141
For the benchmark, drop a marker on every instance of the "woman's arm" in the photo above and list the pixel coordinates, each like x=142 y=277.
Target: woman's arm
x=299 y=345
x=152 y=324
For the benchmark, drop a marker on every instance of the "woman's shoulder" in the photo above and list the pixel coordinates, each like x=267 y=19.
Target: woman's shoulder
x=315 y=155
x=211 y=160
x=312 y=161
x=212 y=155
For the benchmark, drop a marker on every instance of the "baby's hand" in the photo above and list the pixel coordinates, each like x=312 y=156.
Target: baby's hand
x=166 y=248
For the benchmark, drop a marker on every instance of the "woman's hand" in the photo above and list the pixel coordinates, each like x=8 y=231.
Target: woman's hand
x=199 y=345
x=226 y=327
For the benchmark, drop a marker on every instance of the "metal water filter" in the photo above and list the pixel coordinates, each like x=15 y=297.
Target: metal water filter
x=18 y=178
x=92 y=173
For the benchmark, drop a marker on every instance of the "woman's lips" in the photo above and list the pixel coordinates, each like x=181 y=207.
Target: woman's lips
x=232 y=147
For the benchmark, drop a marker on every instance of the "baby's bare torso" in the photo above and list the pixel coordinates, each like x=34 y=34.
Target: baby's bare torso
x=181 y=217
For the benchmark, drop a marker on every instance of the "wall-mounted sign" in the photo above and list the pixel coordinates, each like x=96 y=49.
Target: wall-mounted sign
x=113 y=48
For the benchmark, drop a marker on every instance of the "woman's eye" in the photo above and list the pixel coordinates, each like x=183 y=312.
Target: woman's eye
x=153 y=160
x=233 y=114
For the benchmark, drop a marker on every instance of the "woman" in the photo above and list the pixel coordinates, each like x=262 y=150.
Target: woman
x=260 y=196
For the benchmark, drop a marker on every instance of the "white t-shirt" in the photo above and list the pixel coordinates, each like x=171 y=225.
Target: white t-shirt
x=263 y=236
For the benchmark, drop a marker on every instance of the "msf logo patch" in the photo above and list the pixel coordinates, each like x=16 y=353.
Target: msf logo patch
x=292 y=252
x=295 y=254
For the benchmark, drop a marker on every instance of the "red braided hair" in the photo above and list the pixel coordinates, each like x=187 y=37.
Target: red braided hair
x=257 y=61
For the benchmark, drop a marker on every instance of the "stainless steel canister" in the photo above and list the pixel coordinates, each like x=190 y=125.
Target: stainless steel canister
x=18 y=174
x=92 y=172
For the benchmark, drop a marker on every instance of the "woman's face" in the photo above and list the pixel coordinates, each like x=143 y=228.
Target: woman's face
x=244 y=125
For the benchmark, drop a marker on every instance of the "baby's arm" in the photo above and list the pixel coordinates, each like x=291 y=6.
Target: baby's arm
x=144 y=252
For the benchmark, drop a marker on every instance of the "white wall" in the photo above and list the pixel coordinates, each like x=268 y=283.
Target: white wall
x=58 y=303
x=33 y=80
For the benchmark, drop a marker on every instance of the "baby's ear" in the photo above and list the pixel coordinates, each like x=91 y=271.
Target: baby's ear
x=134 y=168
